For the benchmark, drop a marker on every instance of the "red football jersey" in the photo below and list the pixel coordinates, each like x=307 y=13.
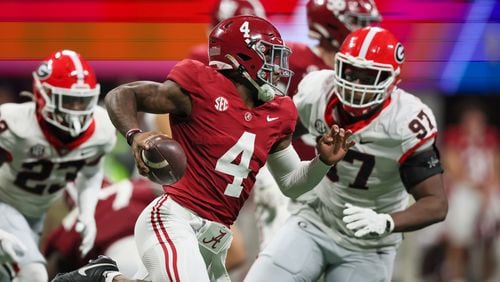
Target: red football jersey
x=225 y=142
x=302 y=61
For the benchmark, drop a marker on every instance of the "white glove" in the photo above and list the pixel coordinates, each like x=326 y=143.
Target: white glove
x=364 y=221
x=88 y=231
x=11 y=249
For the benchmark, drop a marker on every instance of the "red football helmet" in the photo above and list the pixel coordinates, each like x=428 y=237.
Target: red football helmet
x=66 y=91
x=253 y=47
x=230 y=8
x=335 y=19
x=367 y=68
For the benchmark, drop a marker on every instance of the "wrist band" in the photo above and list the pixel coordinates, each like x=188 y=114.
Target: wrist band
x=130 y=135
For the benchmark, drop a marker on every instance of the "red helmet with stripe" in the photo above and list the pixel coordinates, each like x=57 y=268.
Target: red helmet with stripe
x=66 y=91
x=253 y=47
x=335 y=19
x=367 y=68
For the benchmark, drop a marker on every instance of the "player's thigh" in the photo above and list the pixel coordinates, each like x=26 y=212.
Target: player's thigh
x=362 y=266
x=167 y=244
x=292 y=255
x=15 y=223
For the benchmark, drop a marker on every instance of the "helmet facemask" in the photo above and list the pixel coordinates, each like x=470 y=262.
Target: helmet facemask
x=69 y=109
x=254 y=49
x=275 y=71
x=274 y=76
x=362 y=85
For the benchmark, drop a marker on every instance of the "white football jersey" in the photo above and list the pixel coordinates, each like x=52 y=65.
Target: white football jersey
x=38 y=169
x=368 y=176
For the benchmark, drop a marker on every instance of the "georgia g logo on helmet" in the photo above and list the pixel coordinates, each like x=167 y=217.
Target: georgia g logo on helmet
x=399 y=53
x=44 y=70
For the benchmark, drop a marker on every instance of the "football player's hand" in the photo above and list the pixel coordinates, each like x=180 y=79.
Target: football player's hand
x=11 y=248
x=364 y=221
x=139 y=143
x=333 y=146
x=87 y=228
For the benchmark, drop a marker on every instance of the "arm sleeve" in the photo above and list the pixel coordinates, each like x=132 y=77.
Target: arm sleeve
x=185 y=73
x=88 y=183
x=295 y=177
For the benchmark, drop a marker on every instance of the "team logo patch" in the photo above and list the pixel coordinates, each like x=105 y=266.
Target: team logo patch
x=44 y=70
x=248 y=116
x=221 y=104
x=399 y=53
x=37 y=151
x=320 y=126
x=432 y=162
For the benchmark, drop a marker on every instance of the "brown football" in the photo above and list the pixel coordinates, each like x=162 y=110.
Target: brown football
x=166 y=160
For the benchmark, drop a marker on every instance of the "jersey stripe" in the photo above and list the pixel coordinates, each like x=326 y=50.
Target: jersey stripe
x=156 y=222
x=414 y=148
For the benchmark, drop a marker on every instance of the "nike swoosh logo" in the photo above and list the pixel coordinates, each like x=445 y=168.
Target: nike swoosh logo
x=269 y=119
x=361 y=141
x=82 y=270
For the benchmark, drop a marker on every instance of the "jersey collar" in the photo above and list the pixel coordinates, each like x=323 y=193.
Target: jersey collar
x=332 y=115
x=64 y=147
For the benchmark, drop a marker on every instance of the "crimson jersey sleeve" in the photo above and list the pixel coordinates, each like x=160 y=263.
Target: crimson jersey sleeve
x=192 y=75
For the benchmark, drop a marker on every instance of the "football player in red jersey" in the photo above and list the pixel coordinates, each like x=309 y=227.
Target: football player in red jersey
x=117 y=210
x=348 y=228
x=58 y=138
x=229 y=122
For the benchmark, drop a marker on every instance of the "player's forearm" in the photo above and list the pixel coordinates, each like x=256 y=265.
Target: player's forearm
x=293 y=176
x=424 y=212
x=122 y=108
x=88 y=189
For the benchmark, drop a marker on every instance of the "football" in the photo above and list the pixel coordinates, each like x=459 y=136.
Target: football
x=166 y=160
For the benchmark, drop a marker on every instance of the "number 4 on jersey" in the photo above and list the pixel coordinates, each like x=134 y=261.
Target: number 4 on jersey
x=244 y=147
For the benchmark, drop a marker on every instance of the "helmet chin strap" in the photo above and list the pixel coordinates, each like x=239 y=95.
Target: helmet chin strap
x=265 y=92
